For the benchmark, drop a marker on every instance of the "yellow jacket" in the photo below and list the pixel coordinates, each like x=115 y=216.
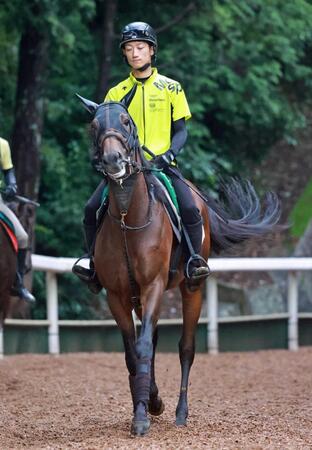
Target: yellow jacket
x=157 y=102
x=5 y=155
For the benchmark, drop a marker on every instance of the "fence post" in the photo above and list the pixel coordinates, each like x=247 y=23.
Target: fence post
x=212 y=309
x=292 y=311
x=1 y=342
x=52 y=313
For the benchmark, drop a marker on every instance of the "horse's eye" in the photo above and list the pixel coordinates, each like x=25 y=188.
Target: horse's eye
x=124 y=119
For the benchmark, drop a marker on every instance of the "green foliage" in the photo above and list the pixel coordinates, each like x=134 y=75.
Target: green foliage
x=8 y=64
x=302 y=212
x=64 y=190
x=243 y=66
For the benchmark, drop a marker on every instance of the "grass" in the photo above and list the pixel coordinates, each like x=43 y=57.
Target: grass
x=302 y=212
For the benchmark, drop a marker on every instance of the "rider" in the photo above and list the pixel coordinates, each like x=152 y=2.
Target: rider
x=9 y=193
x=159 y=109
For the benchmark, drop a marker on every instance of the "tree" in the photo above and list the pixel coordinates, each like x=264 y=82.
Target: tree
x=107 y=39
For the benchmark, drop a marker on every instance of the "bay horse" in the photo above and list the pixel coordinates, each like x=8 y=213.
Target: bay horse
x=8 y=262
x=133 y=247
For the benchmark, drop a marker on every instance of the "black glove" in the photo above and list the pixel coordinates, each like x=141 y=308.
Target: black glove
x=164 y=160
x=9 y=192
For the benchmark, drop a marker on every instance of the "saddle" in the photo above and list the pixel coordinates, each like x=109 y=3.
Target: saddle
x=8 y=227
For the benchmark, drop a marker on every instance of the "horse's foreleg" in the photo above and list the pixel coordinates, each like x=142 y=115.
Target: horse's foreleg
x=191 y=313
x=123 y=317
x=130 y=355
x=145 y=347
x=156 y=405
x=142 y=381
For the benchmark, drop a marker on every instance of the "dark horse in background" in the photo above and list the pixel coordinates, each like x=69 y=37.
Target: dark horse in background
x=133 y=249
x=8 y=261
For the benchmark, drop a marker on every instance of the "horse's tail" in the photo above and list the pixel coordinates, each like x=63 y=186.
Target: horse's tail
x=241 y=215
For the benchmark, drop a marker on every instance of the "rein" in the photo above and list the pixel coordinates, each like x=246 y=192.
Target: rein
x=122 y=184
x=135 y=294
x=123 y=197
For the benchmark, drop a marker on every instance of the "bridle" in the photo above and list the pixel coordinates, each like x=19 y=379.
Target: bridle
x=128 y=139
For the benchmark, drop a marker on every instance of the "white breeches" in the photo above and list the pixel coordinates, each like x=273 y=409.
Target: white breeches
x=21 y=235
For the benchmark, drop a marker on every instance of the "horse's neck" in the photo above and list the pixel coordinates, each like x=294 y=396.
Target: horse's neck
x=130 y=198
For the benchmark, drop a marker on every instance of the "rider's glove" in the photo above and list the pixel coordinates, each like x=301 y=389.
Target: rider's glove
x=164 y=160
x=10 y=192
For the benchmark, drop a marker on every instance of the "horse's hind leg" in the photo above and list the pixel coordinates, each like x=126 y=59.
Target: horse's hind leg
x=191 y=312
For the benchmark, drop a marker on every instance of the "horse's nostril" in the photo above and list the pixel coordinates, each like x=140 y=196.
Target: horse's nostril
x=112 y=158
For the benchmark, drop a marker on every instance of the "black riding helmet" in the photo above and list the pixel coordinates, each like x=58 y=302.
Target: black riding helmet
x=139 y=31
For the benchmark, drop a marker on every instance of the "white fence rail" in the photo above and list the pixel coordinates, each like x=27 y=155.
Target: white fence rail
x=53 y=266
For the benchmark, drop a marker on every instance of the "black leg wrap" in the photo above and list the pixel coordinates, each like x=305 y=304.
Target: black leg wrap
x=142 y=382
x=132 y=387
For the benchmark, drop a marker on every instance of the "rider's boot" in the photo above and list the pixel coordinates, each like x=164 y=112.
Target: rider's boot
x=196 y=267
x=88 y=276
x=18 y=287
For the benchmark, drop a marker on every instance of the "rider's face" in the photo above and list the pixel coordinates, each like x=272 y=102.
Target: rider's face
x=138 y=53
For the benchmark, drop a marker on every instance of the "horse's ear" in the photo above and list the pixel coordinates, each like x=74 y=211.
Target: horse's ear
x=90 y=106
x=127 y=99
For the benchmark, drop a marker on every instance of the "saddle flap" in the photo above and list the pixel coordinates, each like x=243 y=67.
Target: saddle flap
x=9 y=229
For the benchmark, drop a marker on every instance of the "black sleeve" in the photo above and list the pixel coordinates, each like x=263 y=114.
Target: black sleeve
x=9 y=177
x=179 y=136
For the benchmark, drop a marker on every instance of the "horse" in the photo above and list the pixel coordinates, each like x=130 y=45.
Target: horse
x=133 y=248
x=8 y=262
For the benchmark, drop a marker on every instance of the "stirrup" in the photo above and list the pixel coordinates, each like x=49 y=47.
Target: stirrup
x=196 y=268
x=83 y=273
x=88 y=276
x=23 y=294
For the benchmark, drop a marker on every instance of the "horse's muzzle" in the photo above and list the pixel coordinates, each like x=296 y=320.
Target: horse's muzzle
x=114 y=165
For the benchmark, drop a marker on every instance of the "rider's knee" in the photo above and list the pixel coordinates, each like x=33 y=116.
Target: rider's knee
x=190 y=214
x=22 y=239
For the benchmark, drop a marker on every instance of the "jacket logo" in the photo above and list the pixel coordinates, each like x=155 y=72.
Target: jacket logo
x=172 y=86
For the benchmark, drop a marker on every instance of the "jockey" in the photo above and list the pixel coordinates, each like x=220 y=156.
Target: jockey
x=9 y=193
x=159 y=109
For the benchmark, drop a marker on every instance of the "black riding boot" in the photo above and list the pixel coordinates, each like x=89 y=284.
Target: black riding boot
x=88 y=276
x=18 y=288
x=196 y=267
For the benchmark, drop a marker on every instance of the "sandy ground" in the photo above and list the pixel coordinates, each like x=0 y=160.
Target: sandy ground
x=256 y=400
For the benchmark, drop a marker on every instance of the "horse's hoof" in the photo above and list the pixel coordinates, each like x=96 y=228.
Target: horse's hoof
x=156 y=406
x=180 y=421
x=140 y=427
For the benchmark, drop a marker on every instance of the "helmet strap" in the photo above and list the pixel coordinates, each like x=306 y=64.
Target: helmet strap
x=143 y=68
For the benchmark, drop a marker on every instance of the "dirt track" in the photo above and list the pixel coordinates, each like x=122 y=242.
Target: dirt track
x=236 y=401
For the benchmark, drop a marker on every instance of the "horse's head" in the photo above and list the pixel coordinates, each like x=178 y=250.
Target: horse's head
x=115 y=138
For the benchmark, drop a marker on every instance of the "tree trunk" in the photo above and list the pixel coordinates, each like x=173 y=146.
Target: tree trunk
x=107 y=47
x=27 y=132
x=28 y=123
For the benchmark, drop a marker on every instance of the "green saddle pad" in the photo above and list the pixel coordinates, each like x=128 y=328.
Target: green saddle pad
x=7 y=221
x=165 y=180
